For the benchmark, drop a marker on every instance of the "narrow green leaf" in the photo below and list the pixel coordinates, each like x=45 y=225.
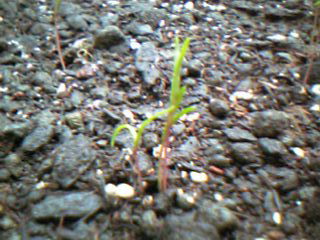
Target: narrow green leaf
x=150 y=120
x=181 y=95
x=176 y=79
x=57 y=5
x=184 y=111
x=116 y=132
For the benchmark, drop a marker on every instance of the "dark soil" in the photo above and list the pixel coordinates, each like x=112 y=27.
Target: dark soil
x=245 y=165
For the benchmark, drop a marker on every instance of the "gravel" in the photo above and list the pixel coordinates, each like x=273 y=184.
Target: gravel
x=244 y=165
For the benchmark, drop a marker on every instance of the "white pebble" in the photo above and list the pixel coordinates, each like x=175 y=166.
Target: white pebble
x=134 y=45
x=276 y=217
x=162 y=23
x=199 y=177
x=294 y=34
x=194 y=28
x=189 y=5
x=298 y=151
x=184 y=174
x=42 y=185
x=241 y=95
x=218 y=197
x=315 y=89
x=315 y=107
x=128 y=114
x=215 y=7
x=278 y=38
x=99 y=172
x=111 y=189
x=125 y=191
x=62 y=91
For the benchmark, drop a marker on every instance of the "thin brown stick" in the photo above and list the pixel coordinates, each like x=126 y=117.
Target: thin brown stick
x=58 y=43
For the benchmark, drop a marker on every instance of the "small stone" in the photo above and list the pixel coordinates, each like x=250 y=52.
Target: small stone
x=298 y=151
x=109 y=37
x=74 y=153
x=148 y=200
x=272 y=147
x=129 y=114
x=245 y=153
x=150 y=140
x=140 y=29
x=199 y=177
x=110 y=117
x=145 y=58
x=38 y=138
x=111 y=189
x=125 y=191
x=284 y=57
x=185 y=200
x=220 y=160
x=4 y=175
x=241 y=95
x=7 y=223
x=77 y=22
x=270 y=123
x=315 y=108
x=74 y=120
x=41 y=78
x=219 y=108
x=102 y=143
x=184 y=174
x=149 y=219
x=315 y=89
x=240 y=135
x=62 y=91
x=194 y=69
x=189 y=5
x=276 y=217
x=42 y=185
x=144 y=162
x=223 y=218
x=134 y=45
x=74 y=205
x=188 y=226
x=13 y=163
x=278 y=38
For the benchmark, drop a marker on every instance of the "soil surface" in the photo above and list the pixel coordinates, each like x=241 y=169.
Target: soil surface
x=244 y=165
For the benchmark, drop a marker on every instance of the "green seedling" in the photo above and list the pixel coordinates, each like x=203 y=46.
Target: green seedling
x=56 y=9
x=136 y=134
x=176 y=97
x=173 y=112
